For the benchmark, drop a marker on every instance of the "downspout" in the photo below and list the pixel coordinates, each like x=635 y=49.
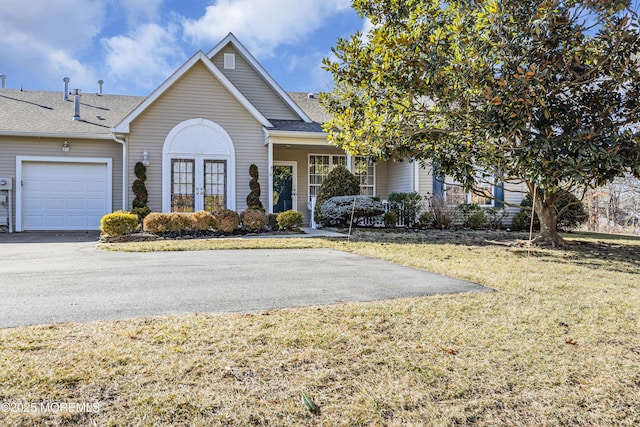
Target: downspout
x=269 y=144
x=124 y=167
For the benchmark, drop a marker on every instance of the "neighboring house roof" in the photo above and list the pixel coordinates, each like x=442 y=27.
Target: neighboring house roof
x=310 y=104
x=230 y=38
x=47 y=113
x=123 y=126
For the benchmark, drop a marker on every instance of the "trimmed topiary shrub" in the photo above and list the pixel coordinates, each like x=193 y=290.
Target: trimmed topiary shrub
x=253 y=199
x=290 y=220
x=119 y=223
x=139 y=188
x=390 y=219
x=155 y=222
x=337 y=211
x=180 y=222
x=253 y=220
x=339 y=182
x=227 y=220
x=203 y=220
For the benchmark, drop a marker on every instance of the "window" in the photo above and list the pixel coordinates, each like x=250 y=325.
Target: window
x=215 y=185
x=182 y=185
x=365 y=171
x=319 y=167
x=455 y=194
x=229 y=61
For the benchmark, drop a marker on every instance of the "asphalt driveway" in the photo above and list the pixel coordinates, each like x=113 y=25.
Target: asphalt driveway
x=51 y=278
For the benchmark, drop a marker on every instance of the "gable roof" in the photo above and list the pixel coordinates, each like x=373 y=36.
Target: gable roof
x=123 y=126
x=46 y=113
x=231 y=39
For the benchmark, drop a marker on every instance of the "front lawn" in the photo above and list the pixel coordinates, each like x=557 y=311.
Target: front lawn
x=558 y=344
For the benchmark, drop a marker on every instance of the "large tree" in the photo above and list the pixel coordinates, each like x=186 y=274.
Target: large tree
x=544 y=92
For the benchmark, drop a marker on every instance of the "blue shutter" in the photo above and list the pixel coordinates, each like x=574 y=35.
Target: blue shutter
x=498 y=190
x=438 y=181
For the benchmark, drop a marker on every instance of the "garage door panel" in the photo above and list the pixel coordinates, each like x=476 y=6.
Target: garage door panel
x=64 y=196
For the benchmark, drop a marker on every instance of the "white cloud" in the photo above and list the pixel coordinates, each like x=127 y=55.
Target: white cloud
x=40 y=39
x=137 y=11
x=149 y=55
x=262 y=25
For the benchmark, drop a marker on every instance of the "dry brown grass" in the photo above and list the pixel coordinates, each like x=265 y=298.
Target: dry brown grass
x=563 y=349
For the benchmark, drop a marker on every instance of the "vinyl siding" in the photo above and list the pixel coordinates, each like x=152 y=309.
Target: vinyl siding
x=10 y=147
x=400 y=176
x=254 y=87
x=197 y=94
x=425 y=180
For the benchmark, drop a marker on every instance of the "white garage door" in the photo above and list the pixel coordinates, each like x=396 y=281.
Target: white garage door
x=64 y=196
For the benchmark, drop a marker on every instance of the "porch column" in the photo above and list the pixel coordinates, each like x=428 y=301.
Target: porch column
x=349 y=163
x=270 y=174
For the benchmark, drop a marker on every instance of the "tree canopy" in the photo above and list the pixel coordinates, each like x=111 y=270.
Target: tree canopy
x=543 y=91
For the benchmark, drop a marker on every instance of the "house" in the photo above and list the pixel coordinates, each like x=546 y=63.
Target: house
x=68 y=159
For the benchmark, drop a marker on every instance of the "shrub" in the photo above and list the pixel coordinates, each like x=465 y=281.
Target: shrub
x=253 y=198
x=477 y=220
x=521 y=221
x=272 y=222
x=425 y=220
x=466 y=210
x=253 y=220
x=227 y=221
x=142 y=212
x=119 y=223
x=495 y=217
x=443 y=214
x=407 y=206
x=574 y=215
x=289 y=220
x=339 y=182
x=139 y=188
x=155 y=222
x=337 y=211
x=203 y=220
x=390 y=219
x=179 y=222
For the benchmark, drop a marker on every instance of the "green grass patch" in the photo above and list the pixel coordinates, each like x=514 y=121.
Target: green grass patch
x=558 y=344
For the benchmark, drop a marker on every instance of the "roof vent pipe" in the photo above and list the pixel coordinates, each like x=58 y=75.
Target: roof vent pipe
x=76 y=104
x=66 y=88
x=100 y=82
x=3 y=77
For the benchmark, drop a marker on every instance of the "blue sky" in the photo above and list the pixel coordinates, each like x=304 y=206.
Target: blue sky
x=134 y=45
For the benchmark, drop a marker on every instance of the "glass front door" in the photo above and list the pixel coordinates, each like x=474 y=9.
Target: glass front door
x=284 y=186
x=198 y=184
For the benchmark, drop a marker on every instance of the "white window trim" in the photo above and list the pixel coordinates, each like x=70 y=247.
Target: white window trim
x=229 y=61
x=373 y=166
x=331 y=165
x=44 y=159
x=449 y=181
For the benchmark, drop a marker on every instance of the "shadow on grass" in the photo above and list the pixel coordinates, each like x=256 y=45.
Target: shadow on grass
x=595 y=250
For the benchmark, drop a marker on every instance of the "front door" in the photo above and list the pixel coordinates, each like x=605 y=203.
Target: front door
x=198 y=184
x=285 y=187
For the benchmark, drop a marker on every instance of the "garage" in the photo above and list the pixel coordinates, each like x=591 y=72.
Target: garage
x=64 y=195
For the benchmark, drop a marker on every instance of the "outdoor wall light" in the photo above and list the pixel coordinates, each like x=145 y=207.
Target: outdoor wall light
x=145 y=158
x=65 y=146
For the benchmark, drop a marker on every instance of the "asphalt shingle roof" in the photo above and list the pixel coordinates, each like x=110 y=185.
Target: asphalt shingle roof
x=48 y=112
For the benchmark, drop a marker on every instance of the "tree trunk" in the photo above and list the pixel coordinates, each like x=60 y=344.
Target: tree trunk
x=547 y=212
